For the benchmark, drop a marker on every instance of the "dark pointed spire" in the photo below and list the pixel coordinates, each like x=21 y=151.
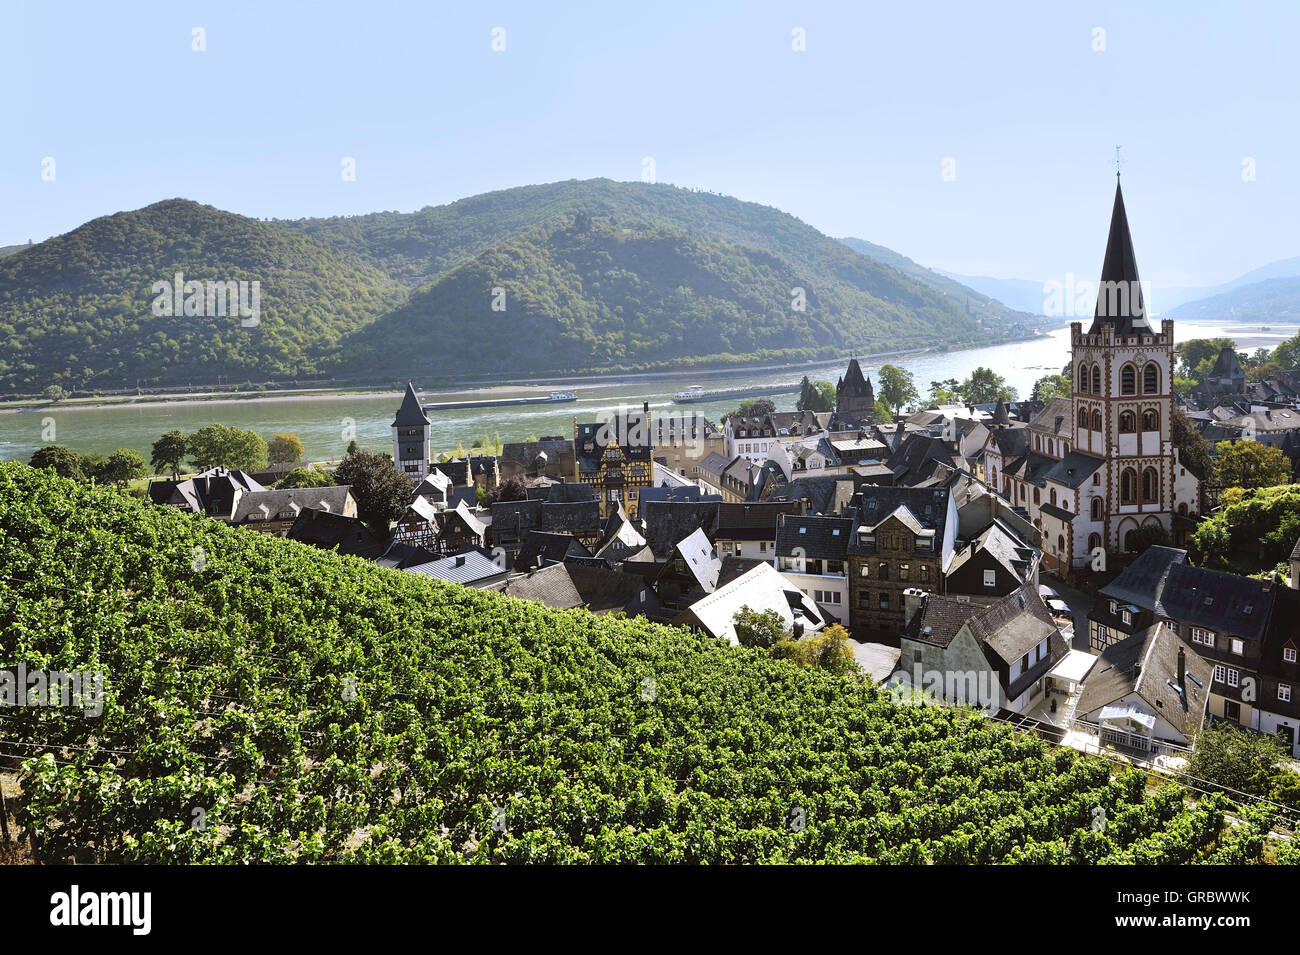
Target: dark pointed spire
x=410 y=415
x=1001 y=416
x=1119 y=294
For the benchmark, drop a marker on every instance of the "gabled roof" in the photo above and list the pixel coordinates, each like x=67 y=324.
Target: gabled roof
x=941 y=617
x=401 y=555
x=541 y=547
x=410 y=414
x=667 y=522
x=1227 y=365
x=854 y=382
x=285 y=505
x=346 y=535
x=701 y=561
x=550 y=585
x=1153 y=653
x=1140 y=582
x=926 y=509
x=1216 y=600
x=419 y=510
x=761 y=588
x=470 y=567
x=462 y=511
x=825 y=493
x=1126 y=312
x=999 y=542
x=1055 y=419
x=1073 y=470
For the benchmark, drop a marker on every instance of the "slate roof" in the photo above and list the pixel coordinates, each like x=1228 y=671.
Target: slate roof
x=471 y=520
x=1283 y=630
x=825 y=493
x=1011 y=442
x=926 y=507
x=346 y=535
x=561 y=492
x=620 y=538
x=690 y=492
x=410 y=414
x=1140 y=582
x=1055 y=510
x=1216 y=601
x=917 y=456
x=814 y=537
x=944 y=616
x=285 y=505
x=1073 y=470
x=998 y=541
x=401 y=555
x=1155 y=652
x=630 y=431
x=516 y=518
x=760 y=588
x=1120 y=266
x=667 y=522
x=752 y=522
x=541 y=547
x=697 y=551
x=551 y=586
x=1056 y=418
x=469 y=568
x=210 y=492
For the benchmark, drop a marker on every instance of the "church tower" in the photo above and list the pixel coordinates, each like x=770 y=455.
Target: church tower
x=412 y=433
x=1122 y=398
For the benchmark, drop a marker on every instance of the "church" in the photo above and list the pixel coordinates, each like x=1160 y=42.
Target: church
x=1093 y=468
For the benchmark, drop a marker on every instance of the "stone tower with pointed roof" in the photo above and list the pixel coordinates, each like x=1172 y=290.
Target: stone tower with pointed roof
x=855 y=398
x=1122 y=399
x=412 y=432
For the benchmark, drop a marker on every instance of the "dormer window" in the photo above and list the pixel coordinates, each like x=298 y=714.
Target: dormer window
x=1288 y=654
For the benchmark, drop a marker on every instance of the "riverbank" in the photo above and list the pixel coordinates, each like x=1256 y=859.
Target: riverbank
x=505 y=389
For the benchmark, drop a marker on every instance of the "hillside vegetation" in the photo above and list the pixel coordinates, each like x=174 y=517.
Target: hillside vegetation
x=595 y=274
x=270 y=702
x=76 y=310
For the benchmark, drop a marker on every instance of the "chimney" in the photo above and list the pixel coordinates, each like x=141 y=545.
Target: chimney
x=1182 y=667
x=460 y=560
x=645 y=407
x=913 y=601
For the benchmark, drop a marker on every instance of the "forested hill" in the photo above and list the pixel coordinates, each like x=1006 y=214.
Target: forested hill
x=76 y=310
x=593 y=274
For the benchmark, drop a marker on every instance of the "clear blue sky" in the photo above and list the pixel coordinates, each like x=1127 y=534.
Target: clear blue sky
x=848 y=135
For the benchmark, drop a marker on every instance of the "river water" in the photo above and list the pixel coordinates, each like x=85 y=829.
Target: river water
x=327 y=424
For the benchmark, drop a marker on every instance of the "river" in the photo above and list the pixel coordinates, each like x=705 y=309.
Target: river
x=327 y=424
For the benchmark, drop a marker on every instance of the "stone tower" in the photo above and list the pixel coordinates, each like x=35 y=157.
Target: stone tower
x=412 y=432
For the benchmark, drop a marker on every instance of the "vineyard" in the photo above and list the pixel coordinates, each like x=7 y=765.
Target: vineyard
x=266 y=702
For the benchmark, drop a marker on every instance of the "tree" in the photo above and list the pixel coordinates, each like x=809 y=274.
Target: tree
x=946 y=392
x=168 y=452
x=305 y=477
x=1051 y=386
x=897 y=387
x=1194 y=452
x=1251 y=464
x=511 y=489
x=1287 y=355
x=816 y=395
x=1146 y=536
x=985 y=386
x=756 y=407
x=762 y=630
x=1236 y=759
x=218 y=445
x=285 y=448
x=54 y=393
x=62 y=461
x=353 y=447
x=121 y=467
x=1251 y=532
x=831 y=650
x=381 y=491
x=1197 y=357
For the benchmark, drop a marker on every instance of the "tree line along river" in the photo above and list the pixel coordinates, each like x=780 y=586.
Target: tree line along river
x=327 y=423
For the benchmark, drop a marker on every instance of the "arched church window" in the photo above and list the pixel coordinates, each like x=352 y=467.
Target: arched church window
x=1128 y=380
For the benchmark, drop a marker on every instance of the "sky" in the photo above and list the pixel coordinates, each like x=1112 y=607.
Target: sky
x=975 y=138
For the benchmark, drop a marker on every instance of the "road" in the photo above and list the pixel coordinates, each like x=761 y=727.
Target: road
x=1080 y=606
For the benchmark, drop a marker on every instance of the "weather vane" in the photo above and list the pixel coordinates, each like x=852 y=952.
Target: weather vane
x=1118 y=160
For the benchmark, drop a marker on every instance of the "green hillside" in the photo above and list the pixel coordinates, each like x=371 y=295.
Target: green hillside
x=597 y=274
x=626 y=292
x=317 y=708
x=76 y=310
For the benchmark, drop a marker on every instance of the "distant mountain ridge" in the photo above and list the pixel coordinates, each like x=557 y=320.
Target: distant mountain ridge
x=567 y=276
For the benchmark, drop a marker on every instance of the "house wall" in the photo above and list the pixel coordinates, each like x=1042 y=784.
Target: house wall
x=1163 y=730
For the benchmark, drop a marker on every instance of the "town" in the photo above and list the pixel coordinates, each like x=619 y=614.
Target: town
x=1029 y=557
